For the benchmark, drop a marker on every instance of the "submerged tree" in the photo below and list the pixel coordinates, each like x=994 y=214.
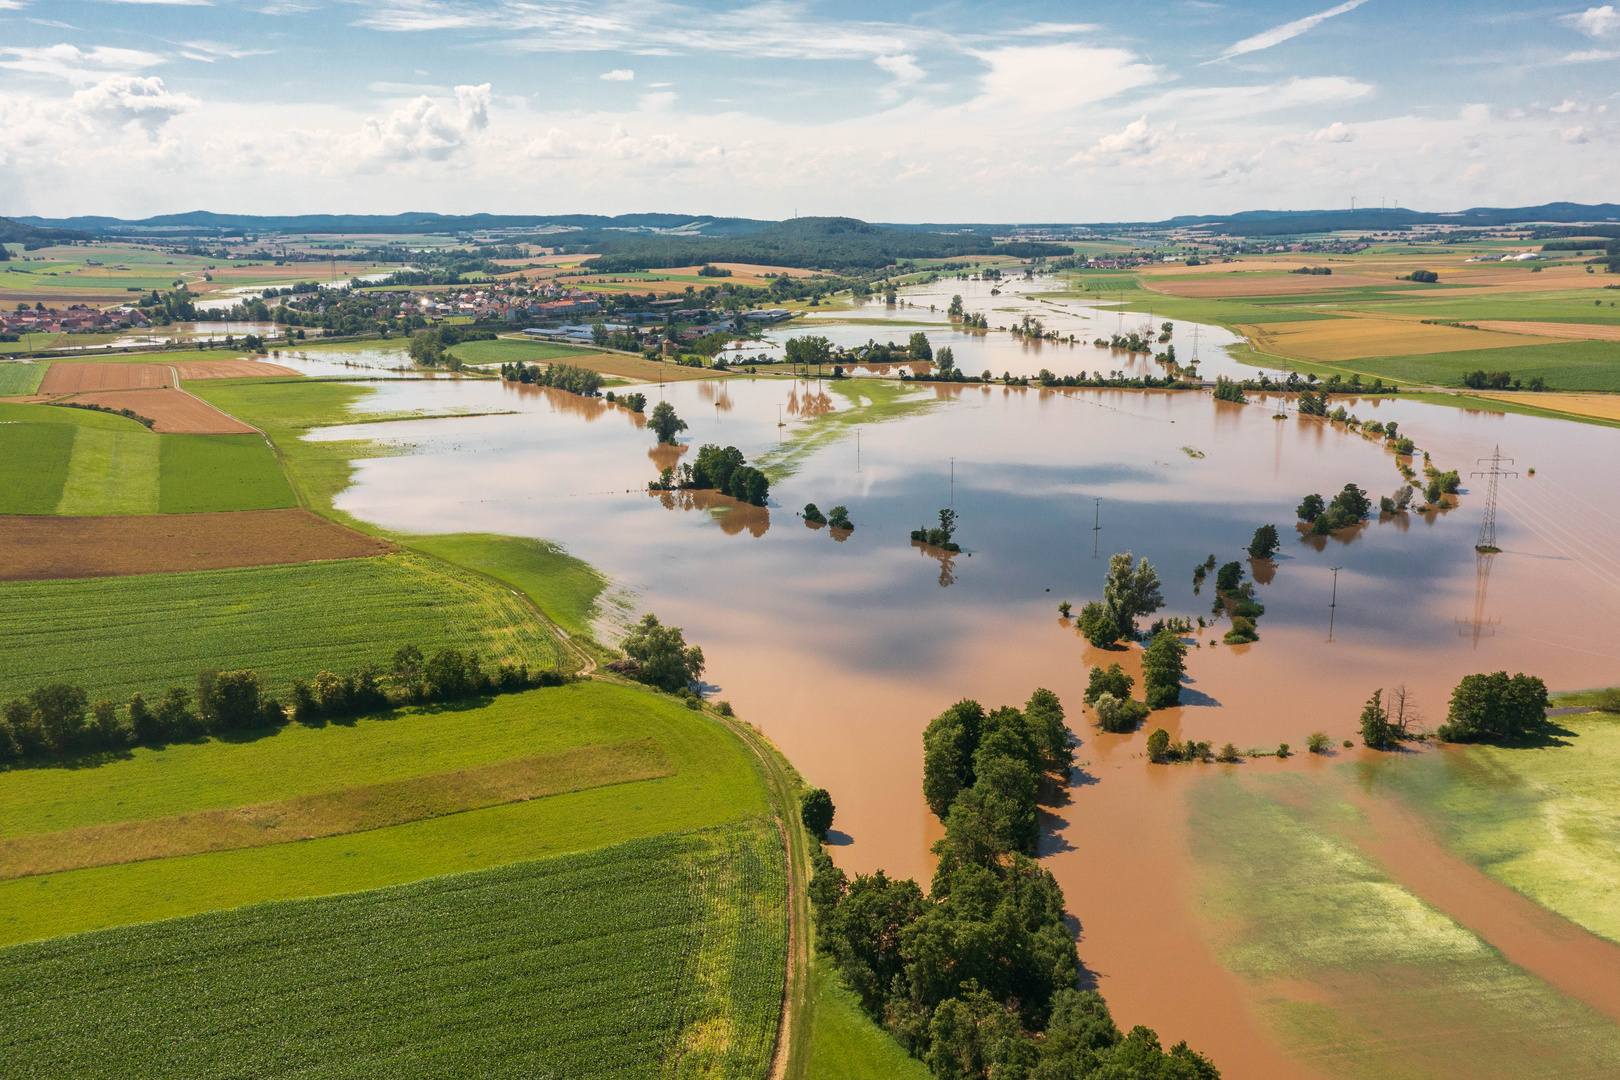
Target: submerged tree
x=665 y=423
x=1265 y=543
x=1375 y=722
x=1163 y=665
x=1129 y=593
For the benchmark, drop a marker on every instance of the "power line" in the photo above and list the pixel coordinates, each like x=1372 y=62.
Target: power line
x=1487 y=530
x=1096 y=526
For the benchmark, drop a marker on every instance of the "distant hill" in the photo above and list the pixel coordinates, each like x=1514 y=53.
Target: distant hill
x=828 y=243
x=1280 y=222
x=29 y=235
x=202 y=223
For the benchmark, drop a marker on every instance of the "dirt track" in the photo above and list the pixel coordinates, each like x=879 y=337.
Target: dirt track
x=35 y=548
x=175 y=411
x=74 y=378
x=229 y=369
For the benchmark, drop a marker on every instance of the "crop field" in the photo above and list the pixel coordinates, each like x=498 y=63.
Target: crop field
x=513 y=351
x=111 y=472
x=1543 y=820
x=1357 y=976
x=1594 y=406
x=528 y=352
x=17 y=380
x=1327 y=341
x=715 y=781
x=114 y=636
x=1566 y=365
x=175 y=411
x=220 y=472
x=660 y=956
x=33 y=465
x=65 y=377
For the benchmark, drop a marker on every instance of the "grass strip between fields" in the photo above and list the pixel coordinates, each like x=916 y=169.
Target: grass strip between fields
x=869 y=401
x=111 y=472
x=335 y=813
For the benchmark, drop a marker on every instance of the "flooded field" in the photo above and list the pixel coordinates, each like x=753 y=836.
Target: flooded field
x=842 y=648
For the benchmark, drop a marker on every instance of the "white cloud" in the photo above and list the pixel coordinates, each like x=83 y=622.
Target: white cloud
x=75 y=64
x=1287 y=31
x=1056 y=78
x=1595 y=22
x=1591 y=56
x=13 y=5
x=163 y=3
x=421 y=130
x=1136 y=140
x=1335 y=132
x=618 y=75
x=1223 y=103
x=1576 y=134
x=210 y=51
x=129 y=99
x=1047 y=29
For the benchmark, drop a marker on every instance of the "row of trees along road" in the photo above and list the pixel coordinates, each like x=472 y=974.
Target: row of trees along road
x=977 y=978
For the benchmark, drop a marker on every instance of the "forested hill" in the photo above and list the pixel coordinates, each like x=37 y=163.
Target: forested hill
x=828 y=243
x=16 y=232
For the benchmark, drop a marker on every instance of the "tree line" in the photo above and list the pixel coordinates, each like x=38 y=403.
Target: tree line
x=61 y=719
x=978 y=977
x=717 y=469
x=570 y=377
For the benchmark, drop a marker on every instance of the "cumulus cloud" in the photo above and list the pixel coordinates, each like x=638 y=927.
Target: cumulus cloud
x=421 y=130
x=1137 y=140
x=1335 y=132
x=618 y=75
x=1595 y=22
x=1576 y=134
x=129 y=99
x=1287 y=31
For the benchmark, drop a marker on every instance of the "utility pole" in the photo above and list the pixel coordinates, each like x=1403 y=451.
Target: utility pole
x=953 y=481
x=1333 y=606
x=1096 y=524
x=1487 y=529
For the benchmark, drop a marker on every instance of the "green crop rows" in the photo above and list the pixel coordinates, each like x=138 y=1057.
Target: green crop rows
x=117 y=635
x=660 y=956
x=33 y=466
x=220 y=472
x=18 y=379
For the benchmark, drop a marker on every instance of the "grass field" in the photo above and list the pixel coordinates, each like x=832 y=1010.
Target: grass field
x=1544 y=821
x=1566 y=365
x=844 y=1042
x=660 y=957
x=33 y=466
x=19 y=379
x=111 y=472
x=567 y=589
x=507 y=351
x=715 y=782
x=1358 y=977
x=220 y=472
x=118 y=635
x=868 y=401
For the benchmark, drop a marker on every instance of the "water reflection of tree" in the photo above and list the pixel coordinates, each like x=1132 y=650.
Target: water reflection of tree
x=813 y=401
x=1318 y=541
x=715 y=394
x=733 y=517
x=946 y=560
x=666 y=455
x=1264 y=570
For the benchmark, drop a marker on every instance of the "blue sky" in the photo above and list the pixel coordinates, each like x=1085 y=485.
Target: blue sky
x=886 y=111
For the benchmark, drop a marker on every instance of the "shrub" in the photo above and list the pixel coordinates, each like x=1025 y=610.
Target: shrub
x=813 y=514
x=1097 y=626
x=1228 y=754
x=1318 y=742
x=1157 y=744
x=1242 y=631
x=838 y=518
x=1111 y=680
x=1282 y=750
x=1118 y=715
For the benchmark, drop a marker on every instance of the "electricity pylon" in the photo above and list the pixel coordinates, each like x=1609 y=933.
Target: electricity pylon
x=1487 y=530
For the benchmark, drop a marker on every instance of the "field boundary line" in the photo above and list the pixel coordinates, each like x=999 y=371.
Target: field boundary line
x=174 y=373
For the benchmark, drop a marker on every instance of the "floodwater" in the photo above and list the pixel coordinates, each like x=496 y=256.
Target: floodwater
x=842 y=647
x=1042 y=298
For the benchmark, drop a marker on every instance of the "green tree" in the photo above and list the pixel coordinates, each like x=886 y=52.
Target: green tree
x=838 y=518
x=1097 y=625
x=1265 y=542
x=809 y=351
x=1163 y=665
x=1158 y=744
x=1495 y=707
x=1043 y=715
x=1130 y=593
x=59 y=711
x=919 y=349
x=1311 y=508
x=816 y=811
x=813 y=514
x=1113 y=680
x=662 y=656
x=1375 y=722
x=949 y=743
x=665 y=423
x=237 y=700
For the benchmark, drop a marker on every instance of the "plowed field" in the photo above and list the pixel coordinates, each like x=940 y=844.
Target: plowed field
x=1245 y=284
x=69 y=378
x=174 y=411
x=38 y=548
x=229 y=369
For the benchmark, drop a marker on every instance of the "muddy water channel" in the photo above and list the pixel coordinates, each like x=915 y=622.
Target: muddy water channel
x=842 y=648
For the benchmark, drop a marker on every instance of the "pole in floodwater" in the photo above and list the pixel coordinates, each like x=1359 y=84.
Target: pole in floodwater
x=1096 y=524
x=1487 y=528
x=1333 y=605
x=953 y=481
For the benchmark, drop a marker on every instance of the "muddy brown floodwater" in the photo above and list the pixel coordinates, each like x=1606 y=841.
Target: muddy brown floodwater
x=842 y=651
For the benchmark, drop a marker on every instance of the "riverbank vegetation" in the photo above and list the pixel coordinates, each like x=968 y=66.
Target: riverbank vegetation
x=977 y=978
x=1128 y=594
x=560 y=376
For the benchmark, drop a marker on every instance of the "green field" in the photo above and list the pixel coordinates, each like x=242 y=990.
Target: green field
x=565 y=588
x=663 y=956
x=1571 y=365
x=504 y=351
x=220 y=472
x=19 y=379
x=114 y=636
x=1543 y=820
x=716 y=782
x=1355 y=975
x=33 y=465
